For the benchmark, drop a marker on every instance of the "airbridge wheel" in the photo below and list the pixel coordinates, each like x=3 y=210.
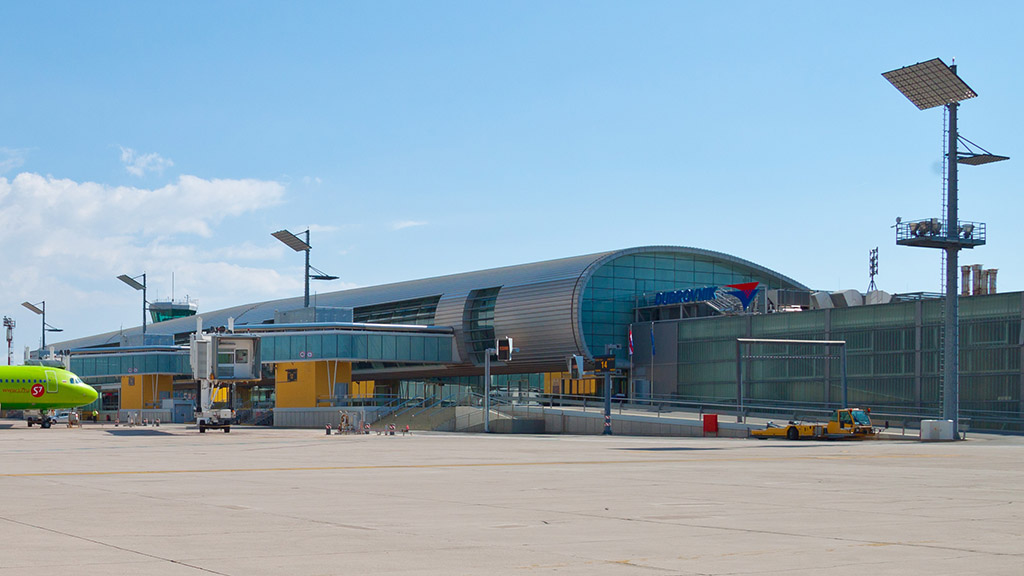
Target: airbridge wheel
x=793 y=433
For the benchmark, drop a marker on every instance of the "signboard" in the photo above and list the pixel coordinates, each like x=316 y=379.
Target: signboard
x=604 y=364
x=745 y=292
x=504 y=349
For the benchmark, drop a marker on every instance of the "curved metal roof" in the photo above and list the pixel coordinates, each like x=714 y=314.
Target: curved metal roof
x=538 y=303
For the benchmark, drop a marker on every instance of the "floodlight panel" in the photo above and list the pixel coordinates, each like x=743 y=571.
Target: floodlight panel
x=291 y=240
x=979 y=159
x=929 y=84
x=323 y=277
x=130 y=281
x=32 y=307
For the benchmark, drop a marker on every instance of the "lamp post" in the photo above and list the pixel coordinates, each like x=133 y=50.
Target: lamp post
x=131 y=281
x=41 y=310
x=608 y=348
x=928 y=85
x=487 y=387
x=299 y=245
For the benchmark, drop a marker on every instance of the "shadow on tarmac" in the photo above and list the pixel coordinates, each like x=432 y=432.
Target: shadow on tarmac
x=668 y=449
x=139 y=432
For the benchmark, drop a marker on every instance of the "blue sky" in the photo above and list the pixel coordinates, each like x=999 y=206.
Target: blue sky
x=418 y=139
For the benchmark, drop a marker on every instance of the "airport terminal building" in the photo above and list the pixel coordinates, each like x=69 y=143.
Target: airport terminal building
x=672 y=316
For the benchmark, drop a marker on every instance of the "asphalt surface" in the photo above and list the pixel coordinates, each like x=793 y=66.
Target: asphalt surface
x=168 y=500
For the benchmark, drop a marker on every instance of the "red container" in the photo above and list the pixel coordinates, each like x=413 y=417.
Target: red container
x=711 y=424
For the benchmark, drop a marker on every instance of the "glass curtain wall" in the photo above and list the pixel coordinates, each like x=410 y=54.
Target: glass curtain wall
x=478 y=322
x=612 y=293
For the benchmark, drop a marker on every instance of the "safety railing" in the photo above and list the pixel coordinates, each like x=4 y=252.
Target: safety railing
x=897 y=416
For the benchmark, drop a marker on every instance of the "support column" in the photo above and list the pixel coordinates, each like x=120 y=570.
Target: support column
x=951 y=375
x=1020 y=342
x=918 y=360
x=828 y=361
x=154 y=387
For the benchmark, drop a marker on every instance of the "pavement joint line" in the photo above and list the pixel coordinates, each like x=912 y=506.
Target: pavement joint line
x=114 y=546
x=844 y=539
x=472 y=465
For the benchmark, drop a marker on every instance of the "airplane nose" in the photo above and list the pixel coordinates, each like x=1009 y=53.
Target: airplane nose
x=88 y=393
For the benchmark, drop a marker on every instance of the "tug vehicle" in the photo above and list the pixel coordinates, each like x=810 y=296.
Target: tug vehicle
x=846 y=423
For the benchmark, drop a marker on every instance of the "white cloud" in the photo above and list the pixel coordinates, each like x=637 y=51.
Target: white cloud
x=138 y=164
x=66 y=241
x=10 y=159
x=407 y=224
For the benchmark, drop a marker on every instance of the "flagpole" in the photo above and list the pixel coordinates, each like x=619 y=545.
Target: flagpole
x=632 y=388
x=650 y=393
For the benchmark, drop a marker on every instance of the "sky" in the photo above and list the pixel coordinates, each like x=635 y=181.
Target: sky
x=418 y=139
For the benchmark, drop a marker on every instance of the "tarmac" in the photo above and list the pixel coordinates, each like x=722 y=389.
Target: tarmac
x=169 y=501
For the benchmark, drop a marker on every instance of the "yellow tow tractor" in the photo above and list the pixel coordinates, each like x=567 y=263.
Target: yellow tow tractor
x=846 y=423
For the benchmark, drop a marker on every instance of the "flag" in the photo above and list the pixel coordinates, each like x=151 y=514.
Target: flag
x=652 y=339
x=630 y=340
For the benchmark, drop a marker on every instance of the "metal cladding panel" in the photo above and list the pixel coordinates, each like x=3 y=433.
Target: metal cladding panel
x=539 y=304
x=454 y=287
x=539 y=317
x=449 y=313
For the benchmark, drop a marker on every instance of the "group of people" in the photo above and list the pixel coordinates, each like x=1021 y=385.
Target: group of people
x=389 y=430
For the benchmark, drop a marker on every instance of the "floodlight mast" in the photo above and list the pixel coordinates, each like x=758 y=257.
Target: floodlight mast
x=41 y=310
x=295 y=243
x=927 y=85
x=951 y=350
x=131 y=281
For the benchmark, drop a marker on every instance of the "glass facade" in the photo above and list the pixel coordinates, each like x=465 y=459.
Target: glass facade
x=416 y=311
x=392 y=348
x=612 y=292
x=478 y=322
x=105 y=365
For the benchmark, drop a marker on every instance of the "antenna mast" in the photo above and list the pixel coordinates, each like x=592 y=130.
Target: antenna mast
x=873 y=269
x=9 y=323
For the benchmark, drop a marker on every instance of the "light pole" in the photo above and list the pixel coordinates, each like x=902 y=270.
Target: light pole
x=487 y=387
x=299 y=245
x=503 y=349
x=41 y=310
x=131 y=281
x=928 y=85
x=608 y=348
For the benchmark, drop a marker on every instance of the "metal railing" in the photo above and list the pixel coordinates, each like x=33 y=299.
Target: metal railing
x=896 y=415
x=937 y=228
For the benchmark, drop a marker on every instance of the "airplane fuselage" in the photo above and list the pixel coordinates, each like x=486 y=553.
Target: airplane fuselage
x=42 y=388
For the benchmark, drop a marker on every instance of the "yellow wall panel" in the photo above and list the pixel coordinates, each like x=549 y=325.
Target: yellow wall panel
x=363 y=389
x=143 y=391
x=131 y=393
x=303 y=384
